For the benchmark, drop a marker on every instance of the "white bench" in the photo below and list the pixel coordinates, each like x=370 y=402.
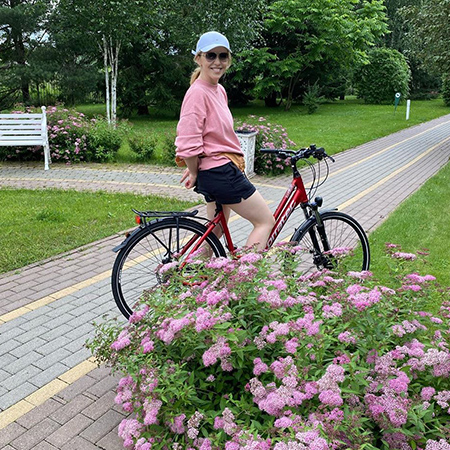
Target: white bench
x=25 y=130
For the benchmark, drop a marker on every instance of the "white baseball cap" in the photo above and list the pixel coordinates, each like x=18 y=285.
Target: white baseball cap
x=210 y=40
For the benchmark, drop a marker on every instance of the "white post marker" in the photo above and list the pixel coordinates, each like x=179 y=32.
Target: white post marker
x=408 y=106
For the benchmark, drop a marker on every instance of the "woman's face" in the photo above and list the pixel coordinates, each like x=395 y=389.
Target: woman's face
x=212 y=70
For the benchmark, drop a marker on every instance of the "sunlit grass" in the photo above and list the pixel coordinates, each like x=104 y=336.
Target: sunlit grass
x=39 y=224
x=419 y=223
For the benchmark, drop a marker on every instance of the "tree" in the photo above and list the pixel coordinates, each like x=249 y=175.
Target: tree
x=22 y=31
x=430 y=29
x=424 y=79
x=158 y=64
x=304 y=34
x=108 y=24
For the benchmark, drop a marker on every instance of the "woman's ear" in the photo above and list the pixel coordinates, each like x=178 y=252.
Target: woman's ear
x=197 y=58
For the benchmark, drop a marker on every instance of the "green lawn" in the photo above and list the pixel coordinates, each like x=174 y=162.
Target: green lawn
x=337 y=125
x=421 y=222
x=39 y=224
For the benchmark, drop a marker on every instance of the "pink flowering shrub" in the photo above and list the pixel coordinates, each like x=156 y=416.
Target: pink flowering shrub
x=269 y=136
x=72 y=138
x=247 y=356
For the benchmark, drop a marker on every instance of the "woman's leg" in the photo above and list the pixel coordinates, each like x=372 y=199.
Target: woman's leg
x=211 y=212
x=255 y=210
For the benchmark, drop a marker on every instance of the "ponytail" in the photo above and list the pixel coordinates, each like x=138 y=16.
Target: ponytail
x=195 y=74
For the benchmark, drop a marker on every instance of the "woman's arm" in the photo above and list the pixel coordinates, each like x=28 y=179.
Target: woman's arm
x=190 y=174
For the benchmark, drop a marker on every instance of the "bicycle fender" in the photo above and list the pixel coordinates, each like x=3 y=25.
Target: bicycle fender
x=126 y=240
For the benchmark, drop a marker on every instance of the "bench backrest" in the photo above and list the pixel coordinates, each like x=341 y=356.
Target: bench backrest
x=23 y=129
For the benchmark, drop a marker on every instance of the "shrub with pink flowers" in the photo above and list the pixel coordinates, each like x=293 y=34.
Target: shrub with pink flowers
x=72 y=138
x=244 y=354
x=269 y=136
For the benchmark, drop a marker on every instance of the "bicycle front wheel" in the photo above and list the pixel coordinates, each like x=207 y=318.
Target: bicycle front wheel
x=339 y=232
x=135 y=269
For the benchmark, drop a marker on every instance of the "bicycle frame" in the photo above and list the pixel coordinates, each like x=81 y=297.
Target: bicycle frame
x=294 y=196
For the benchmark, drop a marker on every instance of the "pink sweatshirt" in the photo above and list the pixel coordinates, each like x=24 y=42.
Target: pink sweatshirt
x=206 y=126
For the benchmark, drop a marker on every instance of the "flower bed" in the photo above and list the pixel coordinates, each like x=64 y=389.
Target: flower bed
x=269 y=136
x=244 y=356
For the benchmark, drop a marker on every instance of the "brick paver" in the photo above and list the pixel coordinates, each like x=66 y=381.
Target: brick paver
x=44 y=342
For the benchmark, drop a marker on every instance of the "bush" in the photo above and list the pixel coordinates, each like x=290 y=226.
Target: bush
x=103 y=140
x=269 y=136
x=143 y=145
x=446 y=89
x=386 y=73
x=247 y=356
x=166 y=149
x=312 y=98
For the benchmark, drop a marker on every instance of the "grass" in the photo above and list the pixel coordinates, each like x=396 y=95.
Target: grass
x=420 y=222
x=337 y=125
x=43 y=223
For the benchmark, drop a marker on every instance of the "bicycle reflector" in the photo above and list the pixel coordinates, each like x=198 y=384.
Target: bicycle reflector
x=138 y=219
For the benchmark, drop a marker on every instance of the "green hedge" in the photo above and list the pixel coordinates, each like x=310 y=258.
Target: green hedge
x=386 y=73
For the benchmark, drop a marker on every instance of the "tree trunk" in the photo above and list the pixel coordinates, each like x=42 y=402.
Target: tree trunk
x=271 y=100
x=114 y=57
x=105 y=63
x=292 y=83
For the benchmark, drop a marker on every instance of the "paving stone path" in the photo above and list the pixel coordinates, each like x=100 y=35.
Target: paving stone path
x=52 y=394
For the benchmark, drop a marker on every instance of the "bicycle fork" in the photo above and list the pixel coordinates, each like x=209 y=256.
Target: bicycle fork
x=319 y=258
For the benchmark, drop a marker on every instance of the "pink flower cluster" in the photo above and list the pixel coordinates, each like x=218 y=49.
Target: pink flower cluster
x=170 y=327
x=219 y=351
x=360 y=298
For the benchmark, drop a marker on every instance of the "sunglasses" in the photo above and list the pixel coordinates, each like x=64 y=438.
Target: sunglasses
x=211 y=56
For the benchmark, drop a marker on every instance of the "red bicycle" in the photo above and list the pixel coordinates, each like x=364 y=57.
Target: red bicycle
x=166 y=237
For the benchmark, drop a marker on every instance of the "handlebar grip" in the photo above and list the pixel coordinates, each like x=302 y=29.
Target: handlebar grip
x=270 y=150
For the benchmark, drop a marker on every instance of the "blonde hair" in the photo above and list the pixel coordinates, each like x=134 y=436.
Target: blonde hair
x=197 y=71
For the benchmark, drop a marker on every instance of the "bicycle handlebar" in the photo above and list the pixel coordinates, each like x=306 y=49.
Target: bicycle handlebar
x=303 y=153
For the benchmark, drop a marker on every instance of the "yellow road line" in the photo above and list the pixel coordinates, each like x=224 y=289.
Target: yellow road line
x=62 y=180
x=53 y=297
x=390 y=176
x=46 y=392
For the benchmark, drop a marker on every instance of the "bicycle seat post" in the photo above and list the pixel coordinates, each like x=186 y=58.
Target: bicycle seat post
x=219 y=209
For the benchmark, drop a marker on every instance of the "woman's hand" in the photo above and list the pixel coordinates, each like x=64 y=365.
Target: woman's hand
x=189 y=179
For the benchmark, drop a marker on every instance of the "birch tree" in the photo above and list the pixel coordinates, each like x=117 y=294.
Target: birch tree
x=111 y=24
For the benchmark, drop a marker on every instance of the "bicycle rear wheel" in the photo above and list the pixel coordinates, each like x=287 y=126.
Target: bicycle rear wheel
x=135 y=269
x=340 y=231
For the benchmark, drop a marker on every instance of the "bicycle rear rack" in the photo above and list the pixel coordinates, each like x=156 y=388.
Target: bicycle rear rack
x=157 y=214
x=142 y=217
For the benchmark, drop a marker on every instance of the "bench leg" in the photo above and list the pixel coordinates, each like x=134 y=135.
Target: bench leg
x=47 y=159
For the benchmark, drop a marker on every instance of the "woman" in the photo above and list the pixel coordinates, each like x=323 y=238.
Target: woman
x=208 y=145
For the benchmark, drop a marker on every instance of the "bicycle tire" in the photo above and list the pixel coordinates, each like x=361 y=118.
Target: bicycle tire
x=135 y=268
x=341 y=230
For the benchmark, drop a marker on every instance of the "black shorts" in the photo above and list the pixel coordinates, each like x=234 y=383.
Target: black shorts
x=224 y=184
